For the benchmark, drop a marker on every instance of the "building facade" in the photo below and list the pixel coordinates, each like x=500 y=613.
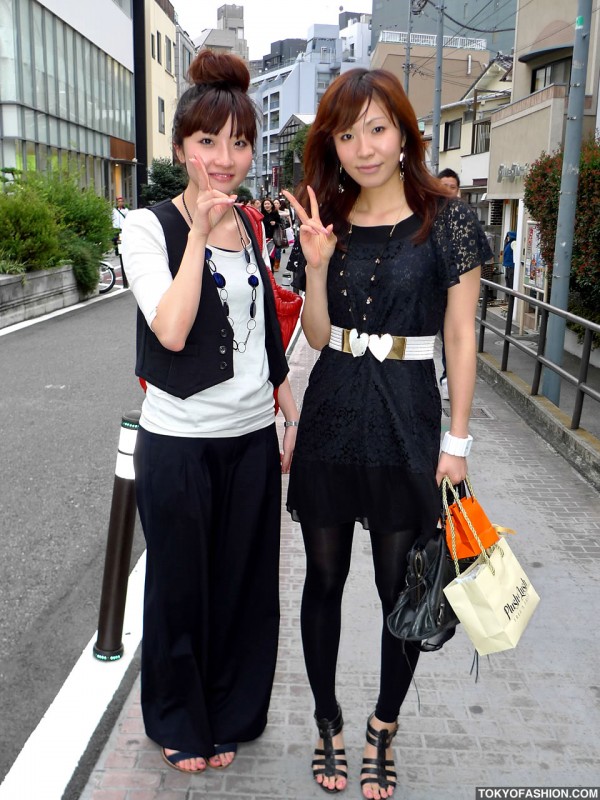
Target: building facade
x=296 y=90
x=534 y=122
x=228 y=36
x=67 y=91
x=463 y=61
x=492 y=20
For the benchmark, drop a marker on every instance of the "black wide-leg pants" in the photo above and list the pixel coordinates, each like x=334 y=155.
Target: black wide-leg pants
x=210 y=510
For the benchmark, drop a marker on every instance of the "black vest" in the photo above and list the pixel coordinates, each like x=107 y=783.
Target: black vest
x=207 y=358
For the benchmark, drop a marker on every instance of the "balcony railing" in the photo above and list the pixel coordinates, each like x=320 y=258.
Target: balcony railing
x=430 y=40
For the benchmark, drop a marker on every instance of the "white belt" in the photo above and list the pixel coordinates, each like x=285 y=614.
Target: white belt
x=400 y=348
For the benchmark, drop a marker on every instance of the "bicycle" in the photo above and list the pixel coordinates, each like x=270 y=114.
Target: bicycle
x=107 y=277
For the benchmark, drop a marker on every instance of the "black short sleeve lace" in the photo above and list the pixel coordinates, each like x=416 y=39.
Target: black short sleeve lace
x=369 y=434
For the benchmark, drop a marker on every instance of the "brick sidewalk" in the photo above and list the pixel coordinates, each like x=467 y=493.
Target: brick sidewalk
x=531 y=719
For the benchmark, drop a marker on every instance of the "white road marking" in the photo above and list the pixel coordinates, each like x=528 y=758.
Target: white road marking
x=50 y=756
x=59 y=312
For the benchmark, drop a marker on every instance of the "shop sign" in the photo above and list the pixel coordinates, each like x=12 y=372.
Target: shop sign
x=511 y=172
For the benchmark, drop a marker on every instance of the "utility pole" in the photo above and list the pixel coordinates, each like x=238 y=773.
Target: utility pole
x=414 y=7
x=563 y=247
x=437 y=95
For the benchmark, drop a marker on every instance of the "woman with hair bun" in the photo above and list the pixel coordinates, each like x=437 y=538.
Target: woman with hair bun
x=386 y=258
x=207 y=461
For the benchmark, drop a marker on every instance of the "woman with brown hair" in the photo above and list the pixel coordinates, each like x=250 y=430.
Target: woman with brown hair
x=207 y=461
x=386 y=257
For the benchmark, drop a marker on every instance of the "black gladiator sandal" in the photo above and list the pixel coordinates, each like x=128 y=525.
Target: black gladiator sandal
x=377 y=769
x=329 y=760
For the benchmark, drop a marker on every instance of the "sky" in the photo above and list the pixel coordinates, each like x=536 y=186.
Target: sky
x=266 y=22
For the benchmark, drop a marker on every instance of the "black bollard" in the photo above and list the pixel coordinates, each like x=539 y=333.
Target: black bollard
x=109 y=645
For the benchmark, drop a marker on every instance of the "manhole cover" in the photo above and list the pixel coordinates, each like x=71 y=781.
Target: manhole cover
x=477 y=412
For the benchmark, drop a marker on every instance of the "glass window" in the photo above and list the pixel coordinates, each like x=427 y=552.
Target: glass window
x=30 y=158
x=12 y=121
x=168 y=55
x=70 y=59
x=8 y=67
x=161 y=115
x=559 y=72
x=86 y=79
x=80 y=79
x=274 y=101
x=116 y=87
x=26 y=55
x=481 y=137
x=42 y=127
x=158 y=47
x=102 y=107
x=153 y=45
x=51 y=63
x=452 y=134
x=61 y=70
x=41 y=100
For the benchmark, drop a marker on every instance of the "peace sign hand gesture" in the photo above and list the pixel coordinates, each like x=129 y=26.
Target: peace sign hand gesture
x=317 y=242
x=211 y=204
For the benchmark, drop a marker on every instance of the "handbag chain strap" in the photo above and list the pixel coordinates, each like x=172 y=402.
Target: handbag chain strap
x=447 y=484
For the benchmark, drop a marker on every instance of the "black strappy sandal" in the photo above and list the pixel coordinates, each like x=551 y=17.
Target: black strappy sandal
x=329 y=760
x=379 y=770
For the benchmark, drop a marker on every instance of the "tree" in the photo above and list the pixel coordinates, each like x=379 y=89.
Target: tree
x=542 y=192
x=165 y=180
x=244 y=195
x=294 y=152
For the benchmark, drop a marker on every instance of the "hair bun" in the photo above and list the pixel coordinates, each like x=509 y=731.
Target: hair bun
x=219 y=69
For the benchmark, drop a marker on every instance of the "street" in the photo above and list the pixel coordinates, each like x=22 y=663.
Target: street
x=527 y=720
x=66 y=383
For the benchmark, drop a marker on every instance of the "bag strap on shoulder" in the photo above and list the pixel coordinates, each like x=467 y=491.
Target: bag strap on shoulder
x=255 y=217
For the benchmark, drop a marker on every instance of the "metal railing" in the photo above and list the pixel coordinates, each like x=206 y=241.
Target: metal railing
x=430 y=40
x=582 y=387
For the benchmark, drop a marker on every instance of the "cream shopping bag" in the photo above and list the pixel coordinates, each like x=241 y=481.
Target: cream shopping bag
x=493 y=599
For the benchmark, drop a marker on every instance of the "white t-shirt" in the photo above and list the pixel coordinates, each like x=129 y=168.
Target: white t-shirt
x=118 y=217
x=235 y=407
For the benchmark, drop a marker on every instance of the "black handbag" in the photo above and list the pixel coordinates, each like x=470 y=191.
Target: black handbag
x=422 y=614
x=279 y=236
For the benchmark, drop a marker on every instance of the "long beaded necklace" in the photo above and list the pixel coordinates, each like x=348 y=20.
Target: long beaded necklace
x=361 y=323
x=221 y=283
x=187 y=211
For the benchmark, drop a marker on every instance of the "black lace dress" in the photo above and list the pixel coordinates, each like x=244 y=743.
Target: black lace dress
x=369 y=435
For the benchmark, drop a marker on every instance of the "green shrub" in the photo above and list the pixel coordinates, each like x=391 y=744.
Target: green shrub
x=83 y=257
x=165 y=181
x=542 y=193
x=29 y=232
x=10 y=267
x=79 y=212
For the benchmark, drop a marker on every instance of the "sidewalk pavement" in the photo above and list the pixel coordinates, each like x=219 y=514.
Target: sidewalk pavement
x=532 y=717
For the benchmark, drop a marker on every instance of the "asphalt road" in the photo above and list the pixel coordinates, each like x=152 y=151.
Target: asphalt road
x=65 y=384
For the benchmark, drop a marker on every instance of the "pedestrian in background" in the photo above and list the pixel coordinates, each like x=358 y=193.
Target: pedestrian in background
x=272 y=223
x=207 y=461
x=508 y=258
x=448 y=178
x=119 y=214
x=387 y=254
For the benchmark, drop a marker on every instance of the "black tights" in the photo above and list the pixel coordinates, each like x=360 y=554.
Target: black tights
x=328 y=552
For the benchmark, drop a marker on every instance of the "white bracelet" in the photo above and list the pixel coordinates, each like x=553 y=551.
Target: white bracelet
x=291 y=423
x=455 y=446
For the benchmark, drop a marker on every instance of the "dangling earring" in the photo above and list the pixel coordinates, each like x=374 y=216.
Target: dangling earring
x=401 y=164
x=340 y=179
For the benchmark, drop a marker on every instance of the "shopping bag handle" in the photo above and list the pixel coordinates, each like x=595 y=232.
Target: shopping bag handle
x=447 y=485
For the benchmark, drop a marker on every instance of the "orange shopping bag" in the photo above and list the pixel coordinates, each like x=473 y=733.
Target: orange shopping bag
x=473 y=530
